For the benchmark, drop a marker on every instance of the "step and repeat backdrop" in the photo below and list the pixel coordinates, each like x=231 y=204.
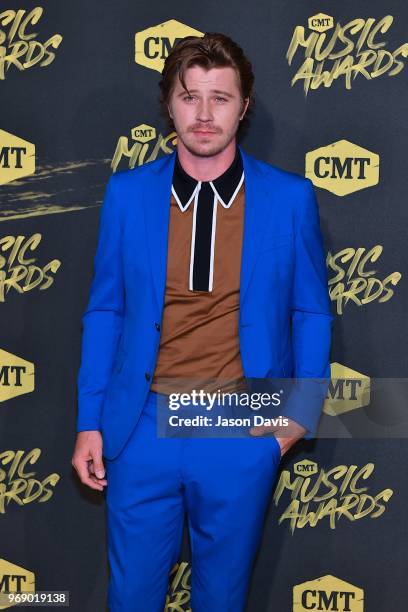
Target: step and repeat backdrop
x=79 y=99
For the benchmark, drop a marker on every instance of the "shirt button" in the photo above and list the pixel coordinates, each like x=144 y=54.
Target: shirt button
x=157 y=326
x=147 y=376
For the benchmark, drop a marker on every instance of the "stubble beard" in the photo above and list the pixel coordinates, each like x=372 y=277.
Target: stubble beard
x=203 y=150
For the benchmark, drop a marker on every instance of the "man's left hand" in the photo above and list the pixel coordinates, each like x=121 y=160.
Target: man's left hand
x=291 y=433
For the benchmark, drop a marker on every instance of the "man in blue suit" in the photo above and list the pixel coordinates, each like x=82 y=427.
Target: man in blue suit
x=209 y=265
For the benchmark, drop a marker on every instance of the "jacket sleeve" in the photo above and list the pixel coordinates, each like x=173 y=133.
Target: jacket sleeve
x=103 y=318
x=311 y=316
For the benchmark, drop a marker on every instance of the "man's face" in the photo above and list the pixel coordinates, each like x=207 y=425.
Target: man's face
x=207 y=120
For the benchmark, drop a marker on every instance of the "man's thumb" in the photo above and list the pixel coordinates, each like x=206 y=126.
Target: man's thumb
x=99 y=468
x=100 y=472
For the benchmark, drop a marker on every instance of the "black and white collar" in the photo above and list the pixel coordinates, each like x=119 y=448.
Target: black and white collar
x=225 y=187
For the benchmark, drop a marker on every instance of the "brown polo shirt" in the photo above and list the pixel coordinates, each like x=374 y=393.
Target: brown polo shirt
x=199 y=330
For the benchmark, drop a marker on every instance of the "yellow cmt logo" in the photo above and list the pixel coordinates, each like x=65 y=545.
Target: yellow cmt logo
x=153 y=45
x=327 y=594
x=144 y=146
x=342 y=167
x=16 y=376
x=348 y=390
x=320 y=22
x=17 y=157
x=14 y=579
x=143 y=133
x=305 y=468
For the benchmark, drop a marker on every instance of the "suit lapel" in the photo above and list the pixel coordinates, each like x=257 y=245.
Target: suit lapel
x=157 y=214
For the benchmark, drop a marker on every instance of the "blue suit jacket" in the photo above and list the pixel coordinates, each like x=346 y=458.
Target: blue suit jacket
x=285 y=315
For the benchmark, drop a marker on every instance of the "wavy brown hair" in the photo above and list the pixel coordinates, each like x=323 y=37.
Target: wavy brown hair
x=213 y=50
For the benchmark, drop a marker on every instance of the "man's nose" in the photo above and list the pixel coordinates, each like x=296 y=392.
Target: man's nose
x=204 y=112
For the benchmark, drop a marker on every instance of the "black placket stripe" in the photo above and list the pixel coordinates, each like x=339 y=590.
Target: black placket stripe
x=203 y=239
x=206 y=196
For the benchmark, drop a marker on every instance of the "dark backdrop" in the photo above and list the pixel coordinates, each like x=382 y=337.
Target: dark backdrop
x=75 y=111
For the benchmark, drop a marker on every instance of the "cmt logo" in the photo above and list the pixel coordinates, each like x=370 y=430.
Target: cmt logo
x=348 y=390
x=320 y=22
x=153 y=45
x=144 y=146
x=342 y=167
x=328 y=594
x=305 y=468
x=14 y=579
x=17 y=157
x=143 y=133
x=16 y=376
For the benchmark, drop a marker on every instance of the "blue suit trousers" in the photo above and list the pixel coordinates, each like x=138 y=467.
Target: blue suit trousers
x=222 y=484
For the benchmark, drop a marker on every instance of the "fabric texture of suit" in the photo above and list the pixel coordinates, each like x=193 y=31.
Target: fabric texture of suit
x=285 y=316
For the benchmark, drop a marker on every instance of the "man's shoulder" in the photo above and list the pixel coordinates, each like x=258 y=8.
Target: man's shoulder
x=128 y=176
x=277 y=174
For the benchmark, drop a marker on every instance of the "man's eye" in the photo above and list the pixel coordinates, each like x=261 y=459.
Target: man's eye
x=188 y=98
x=220 y=98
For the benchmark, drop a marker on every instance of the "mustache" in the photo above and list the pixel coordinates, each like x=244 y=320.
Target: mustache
x=204 y=128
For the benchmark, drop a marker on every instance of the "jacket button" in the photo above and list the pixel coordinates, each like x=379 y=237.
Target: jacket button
x=147 y=376
x=157 y=326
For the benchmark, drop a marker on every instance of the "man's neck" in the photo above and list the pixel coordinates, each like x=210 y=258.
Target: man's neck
x=206 y=168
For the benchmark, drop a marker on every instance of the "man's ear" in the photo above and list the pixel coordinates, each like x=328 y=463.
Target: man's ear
x=168 y=108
